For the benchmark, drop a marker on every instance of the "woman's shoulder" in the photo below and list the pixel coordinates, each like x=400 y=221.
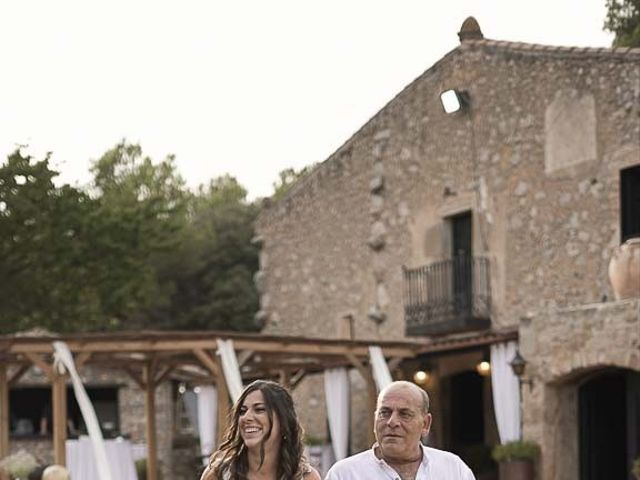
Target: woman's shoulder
x=311 y=474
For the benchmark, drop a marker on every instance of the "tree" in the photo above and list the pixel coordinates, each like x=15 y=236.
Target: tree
x=623 y=19
x=139 y=222
x=213 y=272
x=43 y=241
x=137 y=251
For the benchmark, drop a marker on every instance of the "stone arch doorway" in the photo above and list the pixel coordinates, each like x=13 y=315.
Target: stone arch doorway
x=608 y=424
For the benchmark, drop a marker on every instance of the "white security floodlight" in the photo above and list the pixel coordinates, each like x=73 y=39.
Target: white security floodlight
x=453 y=100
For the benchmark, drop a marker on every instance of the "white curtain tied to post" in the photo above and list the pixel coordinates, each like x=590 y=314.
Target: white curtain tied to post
x=506 y=391
x=379 y=367
x=230 y=368
x=64 y=359
x=336 y=389
x=207 y=420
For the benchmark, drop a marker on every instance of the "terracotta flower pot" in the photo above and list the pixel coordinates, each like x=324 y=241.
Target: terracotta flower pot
x=516 y=470
x=624 y=270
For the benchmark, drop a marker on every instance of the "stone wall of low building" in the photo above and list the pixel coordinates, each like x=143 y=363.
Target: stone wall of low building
x=561 y=347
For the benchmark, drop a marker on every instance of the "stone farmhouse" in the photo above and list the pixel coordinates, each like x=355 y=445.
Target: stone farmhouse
x=493 y=223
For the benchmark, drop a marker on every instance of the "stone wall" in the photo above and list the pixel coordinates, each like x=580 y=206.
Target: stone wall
x=563 y=347
x=547 y=220
x=535 y=159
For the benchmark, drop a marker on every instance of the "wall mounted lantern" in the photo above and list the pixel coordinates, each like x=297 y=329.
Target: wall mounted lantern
x=519 y=365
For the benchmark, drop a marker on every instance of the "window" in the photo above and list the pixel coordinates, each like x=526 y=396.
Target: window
x=630 y=203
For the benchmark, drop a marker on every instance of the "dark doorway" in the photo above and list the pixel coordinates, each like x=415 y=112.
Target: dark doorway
x=608 y=407
x=630 y=203
x=466 y=435
x=461 y=245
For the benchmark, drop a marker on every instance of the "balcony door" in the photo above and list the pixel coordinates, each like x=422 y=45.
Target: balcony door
x=461 y=257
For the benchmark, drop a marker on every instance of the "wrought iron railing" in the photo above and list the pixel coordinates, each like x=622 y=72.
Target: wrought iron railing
x=447 y=296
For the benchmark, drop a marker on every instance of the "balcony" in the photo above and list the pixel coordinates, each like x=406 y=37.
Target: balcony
x=448 y=296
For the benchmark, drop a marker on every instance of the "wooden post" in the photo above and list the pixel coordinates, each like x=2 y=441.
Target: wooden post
x=4 y=412
x=372 y=395
x=150 y=425
x=59 y=412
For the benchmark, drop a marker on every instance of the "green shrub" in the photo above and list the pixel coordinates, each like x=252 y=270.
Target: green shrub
x=636 y=468
x=516 y=450
x=141 y=469
x=312 y=440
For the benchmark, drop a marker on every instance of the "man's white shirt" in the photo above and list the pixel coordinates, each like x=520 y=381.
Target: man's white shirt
x=436 y=465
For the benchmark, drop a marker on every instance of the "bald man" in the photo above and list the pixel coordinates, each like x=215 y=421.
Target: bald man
x=402 y=419
x=55 y=472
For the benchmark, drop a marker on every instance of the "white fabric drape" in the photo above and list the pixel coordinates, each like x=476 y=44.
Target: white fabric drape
x=64 y=360
x=230 y=368
x=506 y=391
x=207 y=418
x=336 y=389
x=81 y=461
x=379 y=366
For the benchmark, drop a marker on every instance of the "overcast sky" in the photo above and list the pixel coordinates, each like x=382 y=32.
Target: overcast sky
x=241 y=87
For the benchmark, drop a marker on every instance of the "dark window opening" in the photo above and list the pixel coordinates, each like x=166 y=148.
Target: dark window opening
x=630 y=203
x=30 y=411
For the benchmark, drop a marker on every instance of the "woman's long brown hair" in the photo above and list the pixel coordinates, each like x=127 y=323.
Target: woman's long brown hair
x=231 y=456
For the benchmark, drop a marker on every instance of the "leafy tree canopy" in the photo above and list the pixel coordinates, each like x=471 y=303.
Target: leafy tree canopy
x=44 y=240
x=138 y=250
x=623 y=19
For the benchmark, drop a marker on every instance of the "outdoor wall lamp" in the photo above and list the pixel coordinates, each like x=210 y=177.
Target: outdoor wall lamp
x=519 y=365
x=454 y=100
x=483 y=368
x=422 y=377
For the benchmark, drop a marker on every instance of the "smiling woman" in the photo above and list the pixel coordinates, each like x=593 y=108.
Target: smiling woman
x=263 y=439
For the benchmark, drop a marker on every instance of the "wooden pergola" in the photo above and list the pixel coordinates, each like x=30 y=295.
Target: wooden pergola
x=150 y=357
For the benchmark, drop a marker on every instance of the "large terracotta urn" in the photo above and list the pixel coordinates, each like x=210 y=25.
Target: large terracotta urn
x=624 y=270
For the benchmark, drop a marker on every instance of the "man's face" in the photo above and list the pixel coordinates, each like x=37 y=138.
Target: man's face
x=400 y=423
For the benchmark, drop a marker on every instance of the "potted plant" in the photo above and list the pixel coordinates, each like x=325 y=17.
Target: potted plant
x=636 y=468
x=515 y=459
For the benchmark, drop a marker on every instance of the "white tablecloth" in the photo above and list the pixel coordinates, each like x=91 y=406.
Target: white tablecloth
x=82 y=466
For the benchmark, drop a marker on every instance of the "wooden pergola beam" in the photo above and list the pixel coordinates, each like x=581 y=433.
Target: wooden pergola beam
x=41 y=363
x=297 y=377
x=162 y=375
x=81 y=359
x=17 y=374
x=135 y=376
x=319 y=347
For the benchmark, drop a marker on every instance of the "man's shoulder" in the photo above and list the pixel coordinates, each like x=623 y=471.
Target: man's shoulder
x=442 y=458
x=438 y=454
